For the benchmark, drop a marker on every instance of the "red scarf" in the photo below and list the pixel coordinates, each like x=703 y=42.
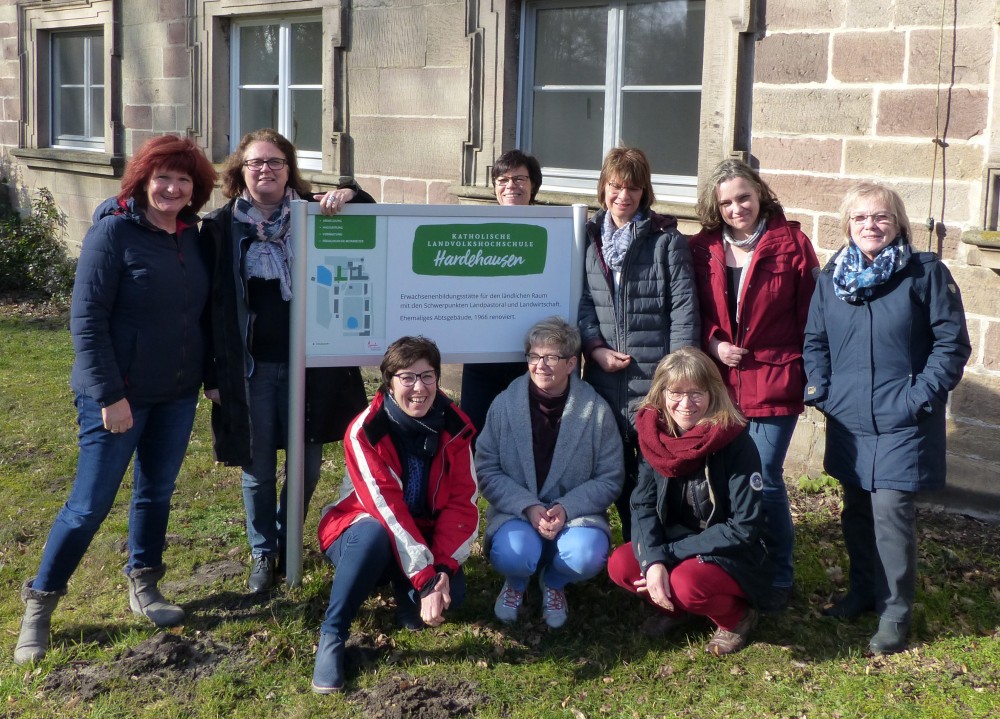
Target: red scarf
x=680 y=456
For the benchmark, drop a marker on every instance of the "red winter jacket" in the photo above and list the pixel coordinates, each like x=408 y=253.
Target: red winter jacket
x=373 y=486
x=777 y=287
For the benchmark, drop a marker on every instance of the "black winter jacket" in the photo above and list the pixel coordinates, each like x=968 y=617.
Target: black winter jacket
x=735 y=538
x=137 y=313
x=657 y=310
x=881 y=369
x=334 y=395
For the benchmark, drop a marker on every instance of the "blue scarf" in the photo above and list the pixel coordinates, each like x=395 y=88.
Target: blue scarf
x=855 y=278
x=417 y=441
x=269 y=256
x=616 y=240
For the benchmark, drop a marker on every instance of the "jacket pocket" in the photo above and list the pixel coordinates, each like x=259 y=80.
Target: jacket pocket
x=780 y=374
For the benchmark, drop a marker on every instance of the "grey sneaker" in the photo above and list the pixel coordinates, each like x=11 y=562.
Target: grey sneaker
x=725 y=642
x=555 y=612
x=508 y=604
x=261 y=573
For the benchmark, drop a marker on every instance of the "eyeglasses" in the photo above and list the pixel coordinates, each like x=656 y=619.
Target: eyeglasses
x=617 y=189
x=697 y=396
x=256 y=165
x=880 y=218
x=547 y=360
x=516 y=180
x=408 y=379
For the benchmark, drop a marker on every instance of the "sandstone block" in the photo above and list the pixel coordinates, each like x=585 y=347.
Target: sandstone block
x=973 y=49
x=976 y=329
x=12 y=108
x=8 y=132
x=792 y=58
x=830 y=236
x=991 y=349
x=449 y=46
x=799 y=14
x=913 y=112
x=138 y=117
x=371 y=185
x=977 y=397
x=408 y=147
x=437 y=194
x=413 y=192
x=165 y=118
x=867 y=13
x=891 y=158
x=176 y=61
x=814 y=111
x=389 y=37
x=135 y=138
x=806 y=154
x=920 y=13
x=431 y=92
x=177 y=32
x=809 y=192
x=980 y=289
x=364 y=91
x=868 y=56
x=172 y=9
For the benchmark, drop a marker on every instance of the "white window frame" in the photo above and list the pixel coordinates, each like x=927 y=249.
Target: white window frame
x=559 y=179
x=93 y=137
x=307 y=159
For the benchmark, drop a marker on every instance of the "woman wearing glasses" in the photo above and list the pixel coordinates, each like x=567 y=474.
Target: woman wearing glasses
x=885 y=342
x=754 y=271
x=550 y=464
x=698 y=538
x=250 y=329
x=516 y=178
x=407 y=512
x=639 y=301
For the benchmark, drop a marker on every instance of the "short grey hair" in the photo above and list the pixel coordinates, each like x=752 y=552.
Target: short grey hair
x=554 y=331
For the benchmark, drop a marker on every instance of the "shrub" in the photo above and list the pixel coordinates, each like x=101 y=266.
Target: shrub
x=33 y=258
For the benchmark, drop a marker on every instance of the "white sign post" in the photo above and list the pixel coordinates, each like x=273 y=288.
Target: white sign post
x=472 y=278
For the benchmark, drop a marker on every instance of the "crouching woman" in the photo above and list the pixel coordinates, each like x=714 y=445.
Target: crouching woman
x=698 y=540
x=407 y=513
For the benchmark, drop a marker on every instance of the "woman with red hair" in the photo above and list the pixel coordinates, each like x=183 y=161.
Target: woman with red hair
x=142 y=285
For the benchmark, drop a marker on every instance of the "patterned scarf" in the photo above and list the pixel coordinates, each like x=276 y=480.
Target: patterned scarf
x=680 y=456
x=616 y=240
x=269 y=256
x=855 y=278
x=418 y=438
x=751 y=241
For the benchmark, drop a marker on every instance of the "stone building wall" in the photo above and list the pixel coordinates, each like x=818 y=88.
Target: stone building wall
x=858 y=90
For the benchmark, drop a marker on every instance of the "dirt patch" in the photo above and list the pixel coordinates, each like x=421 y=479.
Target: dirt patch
x=404 y=697
x=164 y=662
x=205 y=575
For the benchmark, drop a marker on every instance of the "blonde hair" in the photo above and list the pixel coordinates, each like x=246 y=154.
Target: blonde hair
x=691 y=365
x=885 y=195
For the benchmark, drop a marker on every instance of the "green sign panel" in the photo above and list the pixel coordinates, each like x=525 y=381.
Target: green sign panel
x=487 y=250
x=344 y=232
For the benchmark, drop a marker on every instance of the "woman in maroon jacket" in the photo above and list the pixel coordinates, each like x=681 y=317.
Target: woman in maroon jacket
x=755 y=275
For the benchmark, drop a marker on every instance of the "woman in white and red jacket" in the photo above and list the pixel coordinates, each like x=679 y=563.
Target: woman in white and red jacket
x=754 y=271
x=407 y=513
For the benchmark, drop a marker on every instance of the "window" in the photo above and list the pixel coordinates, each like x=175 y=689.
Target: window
x=77 y=64
x=596 y=74
x=277 y=83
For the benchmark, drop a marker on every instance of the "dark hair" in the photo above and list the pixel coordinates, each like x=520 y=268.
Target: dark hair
x=707 y=206
x=513 y=159
x=172 y=153
x=630 y=166
x=407 y=351
x=233 y=183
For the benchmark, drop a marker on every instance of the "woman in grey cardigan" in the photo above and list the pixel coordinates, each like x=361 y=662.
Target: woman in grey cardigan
x=550 y=464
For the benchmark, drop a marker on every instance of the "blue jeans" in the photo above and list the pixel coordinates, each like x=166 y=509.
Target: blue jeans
x=575 y=555
x=364 y=560
x=269 y=426
x=158 y=440
x=772 y=435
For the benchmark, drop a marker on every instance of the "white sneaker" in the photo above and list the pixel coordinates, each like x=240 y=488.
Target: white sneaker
x=508 y=604
x=554 y=608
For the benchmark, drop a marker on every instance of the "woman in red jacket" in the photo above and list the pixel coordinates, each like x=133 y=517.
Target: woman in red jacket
x=755 y=275
x=407 y=513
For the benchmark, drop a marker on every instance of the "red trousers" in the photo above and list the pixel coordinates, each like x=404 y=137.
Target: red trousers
x=696 y=587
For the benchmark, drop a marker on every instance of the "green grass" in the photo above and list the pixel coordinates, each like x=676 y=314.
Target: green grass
x=798 y=665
